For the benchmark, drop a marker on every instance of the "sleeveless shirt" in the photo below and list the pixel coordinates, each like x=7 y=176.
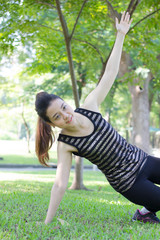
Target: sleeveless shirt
x=118 y=160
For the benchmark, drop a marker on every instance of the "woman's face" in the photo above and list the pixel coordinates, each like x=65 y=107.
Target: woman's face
x=60 y=113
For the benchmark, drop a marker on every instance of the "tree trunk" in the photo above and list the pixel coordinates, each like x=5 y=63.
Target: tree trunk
x=140 y=99
x=78 y=179
x=69 y=52
x=140 y=106
x=140 y=115
x=27 y=130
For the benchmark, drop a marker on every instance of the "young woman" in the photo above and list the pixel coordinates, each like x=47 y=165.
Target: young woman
x=129 y=170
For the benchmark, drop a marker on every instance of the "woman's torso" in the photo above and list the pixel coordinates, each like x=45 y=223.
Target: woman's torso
x=103 y=146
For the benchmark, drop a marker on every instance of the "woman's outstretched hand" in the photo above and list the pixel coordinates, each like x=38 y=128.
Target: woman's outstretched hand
x=124 y=24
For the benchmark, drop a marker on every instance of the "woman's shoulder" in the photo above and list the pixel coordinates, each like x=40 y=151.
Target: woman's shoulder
x=64 y=147
x=91 y=107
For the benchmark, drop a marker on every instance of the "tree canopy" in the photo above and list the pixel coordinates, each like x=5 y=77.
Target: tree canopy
x=33 y=31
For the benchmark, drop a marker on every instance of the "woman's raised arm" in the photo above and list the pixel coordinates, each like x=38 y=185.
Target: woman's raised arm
x=61 y=181
x=96 y=97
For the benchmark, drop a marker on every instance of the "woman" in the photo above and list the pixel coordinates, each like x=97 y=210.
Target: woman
x=129 y=170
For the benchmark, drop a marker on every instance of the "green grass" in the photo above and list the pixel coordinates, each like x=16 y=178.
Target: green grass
x=19 y=159
x=98 y=214
x=30 y=158
x=15 y=152
x=27 y=158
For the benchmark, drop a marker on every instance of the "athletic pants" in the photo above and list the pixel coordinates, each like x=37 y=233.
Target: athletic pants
x=144 y=191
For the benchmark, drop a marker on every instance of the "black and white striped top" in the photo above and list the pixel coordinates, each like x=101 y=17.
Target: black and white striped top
x=118 y=160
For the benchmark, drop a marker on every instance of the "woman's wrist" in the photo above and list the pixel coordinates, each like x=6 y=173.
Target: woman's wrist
x=121 y=34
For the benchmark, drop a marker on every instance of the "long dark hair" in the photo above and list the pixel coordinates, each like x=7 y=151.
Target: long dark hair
x=44 y=134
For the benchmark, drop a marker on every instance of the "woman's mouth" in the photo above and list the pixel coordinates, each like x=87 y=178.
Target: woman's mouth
x=70 y=120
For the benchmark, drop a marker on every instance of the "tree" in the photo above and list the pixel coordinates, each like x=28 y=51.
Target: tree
x=78 y=182
x=139 y=85
x=35 y=22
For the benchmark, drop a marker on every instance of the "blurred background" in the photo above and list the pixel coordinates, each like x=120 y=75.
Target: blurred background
x=34 y=49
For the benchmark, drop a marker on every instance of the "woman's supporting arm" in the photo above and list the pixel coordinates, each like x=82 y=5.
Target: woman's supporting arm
x=61 y=181
x=55 y=199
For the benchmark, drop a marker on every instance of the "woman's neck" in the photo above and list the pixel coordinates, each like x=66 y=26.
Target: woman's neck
x=82 y=126
x=78 y=123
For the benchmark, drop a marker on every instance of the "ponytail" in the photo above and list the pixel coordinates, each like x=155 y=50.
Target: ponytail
x=44 y=141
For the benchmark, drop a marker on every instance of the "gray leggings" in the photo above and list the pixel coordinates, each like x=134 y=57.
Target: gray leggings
x=144 y=191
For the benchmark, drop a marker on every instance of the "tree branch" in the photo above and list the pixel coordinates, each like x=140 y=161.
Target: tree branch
x=47 y=4
x=93 y=46
x=53 y=29
x=62 y=20
x=77 y=18
x=143 y=19
x=132 y=6
x=69 y=52
x=113 y=12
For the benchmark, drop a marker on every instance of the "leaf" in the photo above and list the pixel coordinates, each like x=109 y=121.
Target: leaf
x=63 y=222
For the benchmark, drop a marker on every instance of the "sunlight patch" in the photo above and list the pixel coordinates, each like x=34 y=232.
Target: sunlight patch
x=27 y=177
x=93 y=183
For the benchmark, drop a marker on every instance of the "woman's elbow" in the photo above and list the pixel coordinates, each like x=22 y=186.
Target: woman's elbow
x=59 y=187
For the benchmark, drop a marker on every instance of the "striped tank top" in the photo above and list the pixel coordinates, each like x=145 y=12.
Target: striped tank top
x=118 y=160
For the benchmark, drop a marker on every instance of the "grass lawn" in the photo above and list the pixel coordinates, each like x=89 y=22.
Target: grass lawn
x=15 y=152
x=98 y=214
x=26 y=158
x=31 y=159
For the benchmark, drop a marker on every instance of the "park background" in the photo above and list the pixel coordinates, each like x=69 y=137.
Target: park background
x=63 y=47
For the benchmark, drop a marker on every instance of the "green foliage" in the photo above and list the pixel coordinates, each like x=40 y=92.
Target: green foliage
x=144 y=38
x=36 y=27
x=39 y=24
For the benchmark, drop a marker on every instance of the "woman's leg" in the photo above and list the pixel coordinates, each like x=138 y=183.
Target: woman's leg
x=153 y=173
x=144 y=191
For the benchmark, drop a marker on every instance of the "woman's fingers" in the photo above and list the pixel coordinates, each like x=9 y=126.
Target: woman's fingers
x=116 y=21
x=125 y=17
x=125 y=23
x=130 y=21
x=128 y=17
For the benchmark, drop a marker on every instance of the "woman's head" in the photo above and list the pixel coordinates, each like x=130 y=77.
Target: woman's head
x=43 y=101
x=44 y=133
x=53 y=110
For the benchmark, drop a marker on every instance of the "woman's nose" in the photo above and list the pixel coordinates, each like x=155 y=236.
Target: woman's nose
x=65 y=116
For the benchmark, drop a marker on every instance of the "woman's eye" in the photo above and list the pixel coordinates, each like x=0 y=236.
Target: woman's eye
x=57 y=117
x=64 y=107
